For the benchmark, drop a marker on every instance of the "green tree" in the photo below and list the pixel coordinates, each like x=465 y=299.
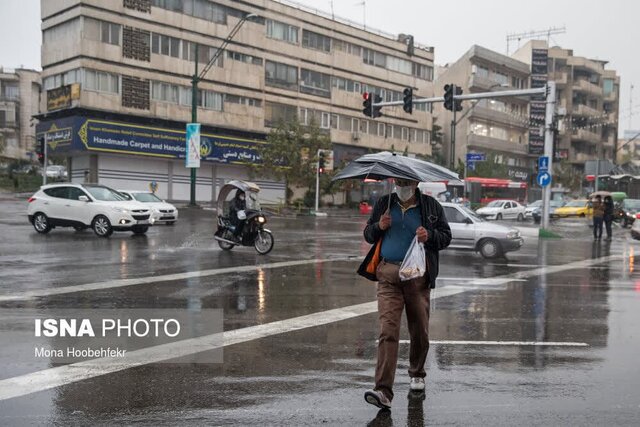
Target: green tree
x=437 y=136
x=489 y=168
x=290 y=154
x=565 y=175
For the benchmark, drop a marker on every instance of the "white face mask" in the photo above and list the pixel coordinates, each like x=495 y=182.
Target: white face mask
x=405 y=193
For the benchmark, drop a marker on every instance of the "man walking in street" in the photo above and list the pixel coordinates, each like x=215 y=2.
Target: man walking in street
x=391 y=229
x=608 y=215
x=598 y=217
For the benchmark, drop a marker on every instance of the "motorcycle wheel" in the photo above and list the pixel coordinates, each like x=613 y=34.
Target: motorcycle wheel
x=224 y=245
x=263 y=242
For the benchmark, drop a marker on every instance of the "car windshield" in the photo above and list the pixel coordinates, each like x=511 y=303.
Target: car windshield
x=472 y=214
x=495 y=204
x=147 y=198
x=631 y=204
x=105 y=194
x=576 y=204
x=535 y=204
x=557 y=203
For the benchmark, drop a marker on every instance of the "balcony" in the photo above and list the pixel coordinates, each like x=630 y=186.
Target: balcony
x=586 y=135
x=560 y=78
x=585 y=111
x=501 y=117
x=8 y=125
x=482 y=83
x=487 y=142
x=610 y=97
x=587 y=87
x=579 y=157
x=585 y=64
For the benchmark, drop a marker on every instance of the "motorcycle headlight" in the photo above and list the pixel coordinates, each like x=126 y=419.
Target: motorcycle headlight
x=262 y=219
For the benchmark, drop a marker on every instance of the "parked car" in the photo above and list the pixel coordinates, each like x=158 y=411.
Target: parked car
x=635 y=230
x=83 y=206
x=56 y=172
x=528 y=210
x=502 y=209
x=470 y=231
x=580 y=208
x=631 y=211
x=537 y=212
x=161 y=211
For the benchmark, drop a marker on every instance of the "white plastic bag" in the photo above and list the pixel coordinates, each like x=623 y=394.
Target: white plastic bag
x=242 y=215
x=414 y=264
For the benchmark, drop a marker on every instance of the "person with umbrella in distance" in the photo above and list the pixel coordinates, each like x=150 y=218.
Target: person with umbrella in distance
x=396 y=220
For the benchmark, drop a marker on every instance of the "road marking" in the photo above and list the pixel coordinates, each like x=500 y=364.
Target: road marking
x=59 y=376
x=62 y=375
x=118 y=283
x=507 y=343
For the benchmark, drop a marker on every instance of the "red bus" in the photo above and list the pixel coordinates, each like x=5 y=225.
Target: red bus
x=495 y=188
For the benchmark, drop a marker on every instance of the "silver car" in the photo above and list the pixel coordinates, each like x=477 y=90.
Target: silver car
x=471 y=232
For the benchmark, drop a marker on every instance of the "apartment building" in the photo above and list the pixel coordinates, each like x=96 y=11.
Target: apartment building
x=19 y=102
x=497 y=128
x=587 y=103
x=117 y=76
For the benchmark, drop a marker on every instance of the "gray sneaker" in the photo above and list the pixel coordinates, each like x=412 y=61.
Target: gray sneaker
x=416 y=384
x=377 y=398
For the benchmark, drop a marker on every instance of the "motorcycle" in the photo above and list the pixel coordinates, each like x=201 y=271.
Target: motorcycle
x=253 y=233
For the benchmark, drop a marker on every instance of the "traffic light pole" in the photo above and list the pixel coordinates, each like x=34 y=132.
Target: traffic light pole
x=548 y=148
x=452 y=154
x=44 y=169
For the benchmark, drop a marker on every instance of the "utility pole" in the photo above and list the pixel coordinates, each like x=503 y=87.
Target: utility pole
x=548 y=148
x=194 y=89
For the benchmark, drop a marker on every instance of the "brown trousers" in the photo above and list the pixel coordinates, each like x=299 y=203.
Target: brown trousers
x=393 y=296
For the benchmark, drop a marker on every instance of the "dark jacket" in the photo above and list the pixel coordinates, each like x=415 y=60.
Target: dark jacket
x=236 y=206
x=608 y=209
x=433 y=220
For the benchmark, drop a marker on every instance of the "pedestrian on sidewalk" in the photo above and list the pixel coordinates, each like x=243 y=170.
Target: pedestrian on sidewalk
x=608 y=215
x=395 y=221
x=598 y=217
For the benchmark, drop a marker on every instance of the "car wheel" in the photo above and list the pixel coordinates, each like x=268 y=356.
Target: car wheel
x=490 y=248
x=139 y=229
x=102 y=226
x=498 y=217
x=171 y=222
x=581 y=215
x=41 y=223
x=520 y=217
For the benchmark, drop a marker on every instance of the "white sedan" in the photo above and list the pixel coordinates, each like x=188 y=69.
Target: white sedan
x=502 y=209
x=161 y=210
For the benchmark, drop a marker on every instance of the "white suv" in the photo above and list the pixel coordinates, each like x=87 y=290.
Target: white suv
x=86 y=205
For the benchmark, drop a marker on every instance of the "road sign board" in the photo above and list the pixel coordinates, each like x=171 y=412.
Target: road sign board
x=476 y=157
x=543 y=164
x=543 y=179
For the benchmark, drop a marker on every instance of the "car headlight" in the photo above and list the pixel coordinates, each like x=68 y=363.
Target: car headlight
x=513 y=234
x=121 y=210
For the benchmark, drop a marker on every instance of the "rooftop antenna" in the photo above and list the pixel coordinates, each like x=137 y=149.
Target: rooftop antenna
x=535 y=35
x=363 y=3
x=631 y=106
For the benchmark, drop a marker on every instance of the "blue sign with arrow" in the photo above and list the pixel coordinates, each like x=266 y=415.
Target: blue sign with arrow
x=543 y=179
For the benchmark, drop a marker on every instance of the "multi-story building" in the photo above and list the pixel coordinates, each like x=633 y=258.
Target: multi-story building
x=117 y=75
x=497 y=128
x=19 y=102
x=587 y=101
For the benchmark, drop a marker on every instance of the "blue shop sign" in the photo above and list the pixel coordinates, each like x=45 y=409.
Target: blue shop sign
x=85 y=134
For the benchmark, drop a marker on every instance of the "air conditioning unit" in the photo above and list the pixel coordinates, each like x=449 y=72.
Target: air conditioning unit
x=355 y=136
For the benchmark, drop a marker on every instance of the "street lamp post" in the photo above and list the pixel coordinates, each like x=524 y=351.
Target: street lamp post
x=197 y=77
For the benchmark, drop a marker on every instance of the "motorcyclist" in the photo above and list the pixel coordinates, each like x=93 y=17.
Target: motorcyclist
x=238 y=205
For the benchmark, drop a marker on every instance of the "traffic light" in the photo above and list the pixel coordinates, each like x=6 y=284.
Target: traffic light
x=321 y=162
x=408 y=100
x=458 y=103
x=448 y=97
x=40 y=149
x=369 y=109
x=366 y=104
x=376 y=109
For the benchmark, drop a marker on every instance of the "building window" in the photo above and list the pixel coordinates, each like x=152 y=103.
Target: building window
x=399 y=65
x=607 y=86
x=275 y=113
x=325 y=121
x=65 y=31
x=316 y=41
x=405 y=134
x=249 y=59
x=281 y=75
x=205 y=53
x=281 y=31
x=315 y=83
x=202 y=9
x=165 y=92
x=210 y=100
x=381 y=129
x=421 y=71
x=101 y=82
x=242 y=100
x=374 y=58
x=101 y=31
x=165 y=45
x=482 y=71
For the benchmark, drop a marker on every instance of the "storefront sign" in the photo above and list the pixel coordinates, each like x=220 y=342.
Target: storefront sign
x=537 y=106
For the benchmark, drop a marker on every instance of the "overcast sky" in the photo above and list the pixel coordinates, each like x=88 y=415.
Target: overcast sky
x=603 y=29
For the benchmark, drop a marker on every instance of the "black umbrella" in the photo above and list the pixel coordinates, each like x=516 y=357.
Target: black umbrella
x=388 y=165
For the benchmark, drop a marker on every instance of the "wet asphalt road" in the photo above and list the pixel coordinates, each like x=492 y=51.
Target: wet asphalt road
x=560 y=291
